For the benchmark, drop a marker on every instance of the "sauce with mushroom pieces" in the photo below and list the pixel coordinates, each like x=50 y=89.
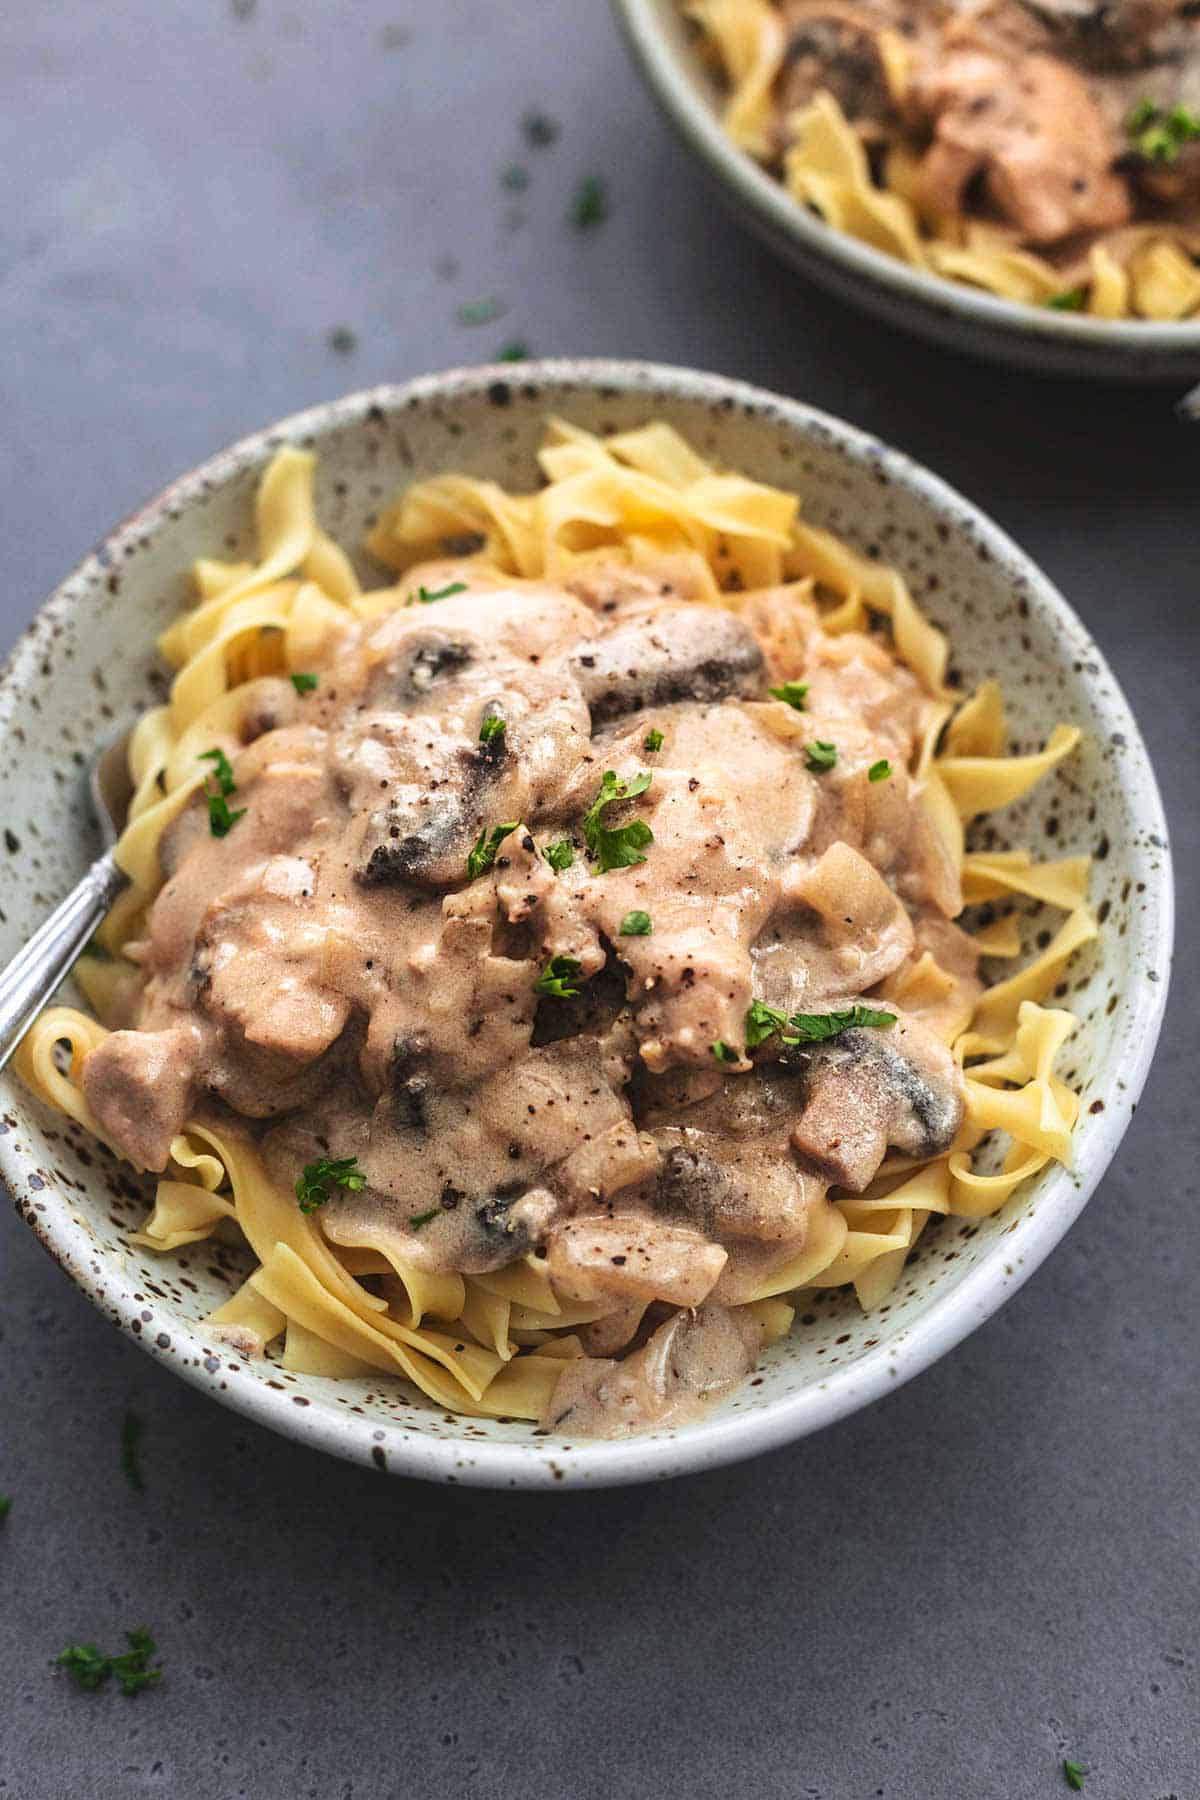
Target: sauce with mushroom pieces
x=329 y=978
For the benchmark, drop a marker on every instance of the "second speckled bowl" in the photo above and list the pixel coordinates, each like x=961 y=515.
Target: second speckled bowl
x=88 y=660
x=948 y=312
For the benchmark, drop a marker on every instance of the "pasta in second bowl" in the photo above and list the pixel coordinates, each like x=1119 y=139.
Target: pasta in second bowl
x=1111 y=294
x=863 y=508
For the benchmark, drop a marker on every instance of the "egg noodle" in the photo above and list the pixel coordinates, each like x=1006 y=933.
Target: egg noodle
x=493 y=1345
x=1143 y=271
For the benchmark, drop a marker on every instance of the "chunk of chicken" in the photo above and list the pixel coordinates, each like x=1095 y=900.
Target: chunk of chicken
x=865 y=926
x=139 y=1085
x=628 y=1256
x=1032 y=132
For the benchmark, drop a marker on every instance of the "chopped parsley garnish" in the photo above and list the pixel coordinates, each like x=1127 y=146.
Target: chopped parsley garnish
x=492 y=727
x=540 y=129
x=5 y=1507
x=791 y=693
x=1073 y=1774
x=305 y=683
x=514 y=352
x=222 y=770
x=318 y=1179
x=559 y=855
x=1069 y=300
x=516 y=178
x=480 y=312
x=484 y=854
x=725 y=1053
x=88 y=1668
x=653 y=741
x=556 y=977
x=812 y=1028
x=419 y=1219
x=131 y=1431
x=427 y=596
x=620 y=846
x=879 y=771
x=220 y=820
x=1159 y=136
x=636 y=924
x=764 y=1021
x=819 y=757
x=590 y=205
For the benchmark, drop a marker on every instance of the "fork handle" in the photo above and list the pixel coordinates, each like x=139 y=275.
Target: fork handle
x=36 y=970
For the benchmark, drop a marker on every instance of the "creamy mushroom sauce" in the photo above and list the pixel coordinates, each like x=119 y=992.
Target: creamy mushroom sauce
x=1018 y=109
x=327 y=973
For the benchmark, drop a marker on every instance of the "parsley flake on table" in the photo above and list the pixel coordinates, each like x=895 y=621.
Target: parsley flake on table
x=515 y=178
x=316 y=1181
x=305 y=683
x=590 y=207
x=5 y=1507
x=556 y=978
x=516 y=351
x=619 y=846
x=484 y=853
x=90 y=1668
x=819 y=757
x=131 y=1432
x=636 y=924
x=480 y=312
x=1073 y=1775
x=540 y=129
x=791 y=693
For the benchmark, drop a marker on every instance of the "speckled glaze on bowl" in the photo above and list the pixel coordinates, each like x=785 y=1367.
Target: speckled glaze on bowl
x=1057 y=343
x=88 y=662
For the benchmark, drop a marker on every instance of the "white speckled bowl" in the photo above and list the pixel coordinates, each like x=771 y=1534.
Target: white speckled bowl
x=1059 y=343
x=88 y=661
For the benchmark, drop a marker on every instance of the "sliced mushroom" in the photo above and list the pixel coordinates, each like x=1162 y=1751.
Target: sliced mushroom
x=834 y=49
x=415 y=842
x=422 y=659
x=692 y=1360
x=869 y=1090
x=629 y=1256
x=680 y=653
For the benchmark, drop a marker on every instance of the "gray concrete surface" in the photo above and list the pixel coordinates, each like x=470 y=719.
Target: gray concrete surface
x=939 y=1598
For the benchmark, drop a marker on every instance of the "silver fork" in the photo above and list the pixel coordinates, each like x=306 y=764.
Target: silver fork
x=51 y=953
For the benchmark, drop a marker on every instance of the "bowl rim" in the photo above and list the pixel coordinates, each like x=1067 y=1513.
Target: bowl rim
x=776 y=211
x=714 y=1441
